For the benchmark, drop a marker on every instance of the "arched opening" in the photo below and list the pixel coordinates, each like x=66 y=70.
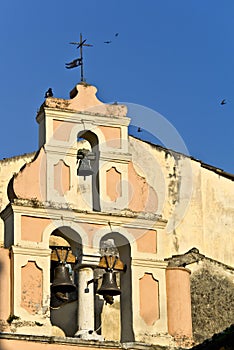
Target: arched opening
x=125 y=284
x=87 y=140
x=66 y=247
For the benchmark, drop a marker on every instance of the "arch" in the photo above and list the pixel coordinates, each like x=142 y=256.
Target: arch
x=99 y=234
x=63 y=302
x=72 y=237
x=94 y=129
x=93 y=140
x=70 y=230
x=124 y=248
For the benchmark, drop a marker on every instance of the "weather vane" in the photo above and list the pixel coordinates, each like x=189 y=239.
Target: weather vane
x=78 y=61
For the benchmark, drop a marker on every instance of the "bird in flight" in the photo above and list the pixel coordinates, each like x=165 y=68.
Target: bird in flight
x=109 y=41
x=49 y=93
x=75 y=63
x=223 y=102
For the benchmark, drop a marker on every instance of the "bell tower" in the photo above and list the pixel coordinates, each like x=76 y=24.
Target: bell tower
x=86 y=146
x=83 y=188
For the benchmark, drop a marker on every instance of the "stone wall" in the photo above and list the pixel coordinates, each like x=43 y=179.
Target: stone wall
x=212 y=294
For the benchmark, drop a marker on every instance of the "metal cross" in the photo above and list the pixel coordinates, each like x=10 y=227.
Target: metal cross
x=80 y=45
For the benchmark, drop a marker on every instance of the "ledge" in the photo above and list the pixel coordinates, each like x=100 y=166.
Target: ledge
x=80 y=342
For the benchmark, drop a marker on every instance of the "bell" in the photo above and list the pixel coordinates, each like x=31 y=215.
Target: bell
x=84 y=168
x=109 y=286
x=62 y=282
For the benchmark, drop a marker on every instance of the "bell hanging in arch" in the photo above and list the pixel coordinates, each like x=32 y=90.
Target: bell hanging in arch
x=62 y=281
x=84 y=168
x=109 y=286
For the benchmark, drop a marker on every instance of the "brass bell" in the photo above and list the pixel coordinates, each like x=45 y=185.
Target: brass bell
x=109 y=286
x=84 y=168
x=62 y=281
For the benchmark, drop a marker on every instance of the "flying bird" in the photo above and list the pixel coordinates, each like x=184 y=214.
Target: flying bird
x=109 y=41
x=223 y=102
x=49 y=93
x=75 y=63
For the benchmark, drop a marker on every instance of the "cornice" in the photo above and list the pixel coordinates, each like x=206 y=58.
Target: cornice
x=30 y=251
x=80 y=117
x=58 y=211
x=73 y=341
x=152 y=263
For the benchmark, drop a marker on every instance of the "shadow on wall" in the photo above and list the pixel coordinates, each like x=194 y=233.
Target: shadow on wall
x=64 y=306
x=65 y=317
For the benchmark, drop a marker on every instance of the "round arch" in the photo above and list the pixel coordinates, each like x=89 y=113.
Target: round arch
x=99 y=234
x=71 y=231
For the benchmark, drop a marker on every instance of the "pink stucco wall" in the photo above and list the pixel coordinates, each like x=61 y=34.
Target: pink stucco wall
x=61 y=177
x=113 y=184
x=62 y=130
x=10 y=344
x=4 y=288
x=142 y=197
x=179 y=301
x=30 y=182
x=112 y=136
x=32 y=228
x=147 y=242
x=149 y=302
x=31 y=287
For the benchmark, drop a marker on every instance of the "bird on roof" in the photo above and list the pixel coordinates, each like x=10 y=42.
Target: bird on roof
x=49 y=93
x=75 y=63
x=139 y=130
x=223 y=102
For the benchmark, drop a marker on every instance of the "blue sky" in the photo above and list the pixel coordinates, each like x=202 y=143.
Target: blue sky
x=174 y=57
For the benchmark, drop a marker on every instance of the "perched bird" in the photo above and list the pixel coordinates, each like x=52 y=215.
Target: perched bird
x=107 y=42
x=139 y=130
x=49 y=93
x=223 y=102
x=75 y=63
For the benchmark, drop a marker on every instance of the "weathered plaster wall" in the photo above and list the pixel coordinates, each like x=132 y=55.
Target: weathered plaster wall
x=4 y=289
x=8 y=167
x=179 y=302
x=198 y=203
x=30 y=182
x=47 y=344
x=31 y=287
